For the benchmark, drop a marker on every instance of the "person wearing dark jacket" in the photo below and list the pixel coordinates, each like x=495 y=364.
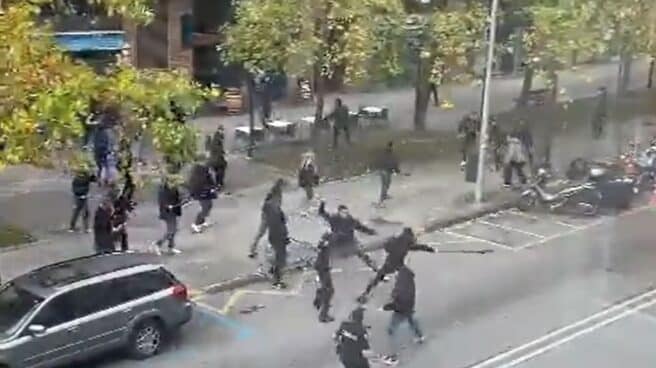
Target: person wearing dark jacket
x=526 y=137
x=388 y=164
x=341 y=118
x=343 y=227
x=352 y=341
x=103 y=232
x=217 y=159
x=123 y=205
x=396 y=248
x=308 y=174
x=402 y=306
x=600 y=114
x=275 y=195
x=325 y=290
x=202 y=188
x=278 y=238
x=80 y=187
x=468 y=129
x=170 y=208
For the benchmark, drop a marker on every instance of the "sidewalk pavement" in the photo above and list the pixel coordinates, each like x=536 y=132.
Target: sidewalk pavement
x=218 y=255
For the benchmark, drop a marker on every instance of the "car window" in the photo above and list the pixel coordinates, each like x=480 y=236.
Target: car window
x=15 y=304
x=74 y=304
x=137 y=286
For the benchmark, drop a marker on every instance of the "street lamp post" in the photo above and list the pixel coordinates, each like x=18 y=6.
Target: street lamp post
x=480 y=180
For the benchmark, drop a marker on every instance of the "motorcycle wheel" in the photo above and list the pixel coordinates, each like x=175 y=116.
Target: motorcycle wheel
x=527 y=202
x=590 y=207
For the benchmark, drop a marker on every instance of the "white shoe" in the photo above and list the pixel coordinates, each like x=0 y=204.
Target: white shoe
x=420 y=340
x=196 y=228
x=174 y=251
x=390 y=360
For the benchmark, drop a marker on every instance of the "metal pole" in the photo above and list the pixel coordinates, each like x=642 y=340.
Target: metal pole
x=486 y=103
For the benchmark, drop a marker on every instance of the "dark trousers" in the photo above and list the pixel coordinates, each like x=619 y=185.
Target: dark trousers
x=80 y=206
x=219 y=174
x=434 y=91
x=358 y=361
x=345 y=248
x=101 y=162
x=324 y=293
x=464 y=148
x=347 y=134
x=205 y=208
x=104 y=243
x=518 y=168
x=279 y=262
x=121 y=237
x=171 y=223
x=385 y=182
x=309 y=191
x=387 y=269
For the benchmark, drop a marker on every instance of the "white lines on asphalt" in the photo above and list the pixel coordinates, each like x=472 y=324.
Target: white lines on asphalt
x=477 y=239
x=549 y=218
x=572 y=331
x=510 y=228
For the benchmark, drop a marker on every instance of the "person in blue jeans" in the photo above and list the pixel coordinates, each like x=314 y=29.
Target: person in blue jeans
x=402 y=307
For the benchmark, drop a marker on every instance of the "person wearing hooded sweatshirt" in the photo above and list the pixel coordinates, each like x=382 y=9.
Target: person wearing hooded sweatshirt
x=123 y=206
x=397 y=249
x=343 y=227
x=170 y=208
x=217 y=159
x=352 y=341
x=202 y=188
x=275 y=195
x=308 y=174
x=402 y=306
x=325 y=290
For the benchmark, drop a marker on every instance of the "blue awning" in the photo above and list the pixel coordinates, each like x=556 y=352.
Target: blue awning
x=91 y=41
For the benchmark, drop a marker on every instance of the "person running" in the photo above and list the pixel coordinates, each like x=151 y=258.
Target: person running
x=308 y=174
x=402 y=306
x=170 y=208
x=396 y=249
x=274 y=194
x=343 y=227
x=352 y=341
x=202 y=188
x=80 y=187
x=325 y=290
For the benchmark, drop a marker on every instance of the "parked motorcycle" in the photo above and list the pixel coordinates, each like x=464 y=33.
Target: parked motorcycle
x=584 y=198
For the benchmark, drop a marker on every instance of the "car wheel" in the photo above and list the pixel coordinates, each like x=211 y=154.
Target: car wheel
x=146 y=340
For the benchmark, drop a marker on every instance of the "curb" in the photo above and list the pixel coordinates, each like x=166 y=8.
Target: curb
x=249 y=279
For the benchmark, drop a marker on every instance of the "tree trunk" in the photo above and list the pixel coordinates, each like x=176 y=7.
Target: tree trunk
x=422 y=95
x=627 y=64
x=650 y=76
x=527 y=84
x=251 y=114
x=552 y=100
x=319 y=93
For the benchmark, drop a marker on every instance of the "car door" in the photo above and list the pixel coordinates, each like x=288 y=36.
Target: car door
x=60 y=342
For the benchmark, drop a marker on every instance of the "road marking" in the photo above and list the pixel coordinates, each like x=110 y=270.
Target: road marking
x=243 y=332
x=611 y=309
x=583 y=332
x=239 y=294
x=549 y=218
x=509 y=228
x=477 y=239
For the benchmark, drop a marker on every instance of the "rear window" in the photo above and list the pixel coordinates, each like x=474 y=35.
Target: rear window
x=15 y=304
x=137 y=286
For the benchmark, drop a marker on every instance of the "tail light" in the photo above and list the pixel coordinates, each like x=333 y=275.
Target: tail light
x=180 y=292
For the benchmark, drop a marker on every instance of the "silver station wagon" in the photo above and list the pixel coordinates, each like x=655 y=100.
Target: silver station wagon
x=77 y=309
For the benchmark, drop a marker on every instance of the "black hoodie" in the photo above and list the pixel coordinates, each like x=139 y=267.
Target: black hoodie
x=403 y=294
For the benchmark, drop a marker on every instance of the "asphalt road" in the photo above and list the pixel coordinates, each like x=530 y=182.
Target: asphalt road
x=556 y=292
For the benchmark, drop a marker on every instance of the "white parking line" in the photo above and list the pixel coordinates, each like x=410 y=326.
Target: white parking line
x=571 y=327
x=477 y=239
x=549 y=218
x=510 y=228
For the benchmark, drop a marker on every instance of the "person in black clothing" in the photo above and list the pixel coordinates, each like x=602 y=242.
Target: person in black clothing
x=202 y=188
x=468 y=129
x=526 y=137
x=217 y=159
x=340 y=116
x=600 y=114
x=123 y=205
x=343 y=227
x=388 y=164
x=103 y=231
x=434 y=91
x=275 y=195
x=278 y=238
x=352 y=341
x=402 y=307
x=308 y=174
x=266 y=99
x=397 y=249
x=80 y=188
x=170 y=208
x=325 y=290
